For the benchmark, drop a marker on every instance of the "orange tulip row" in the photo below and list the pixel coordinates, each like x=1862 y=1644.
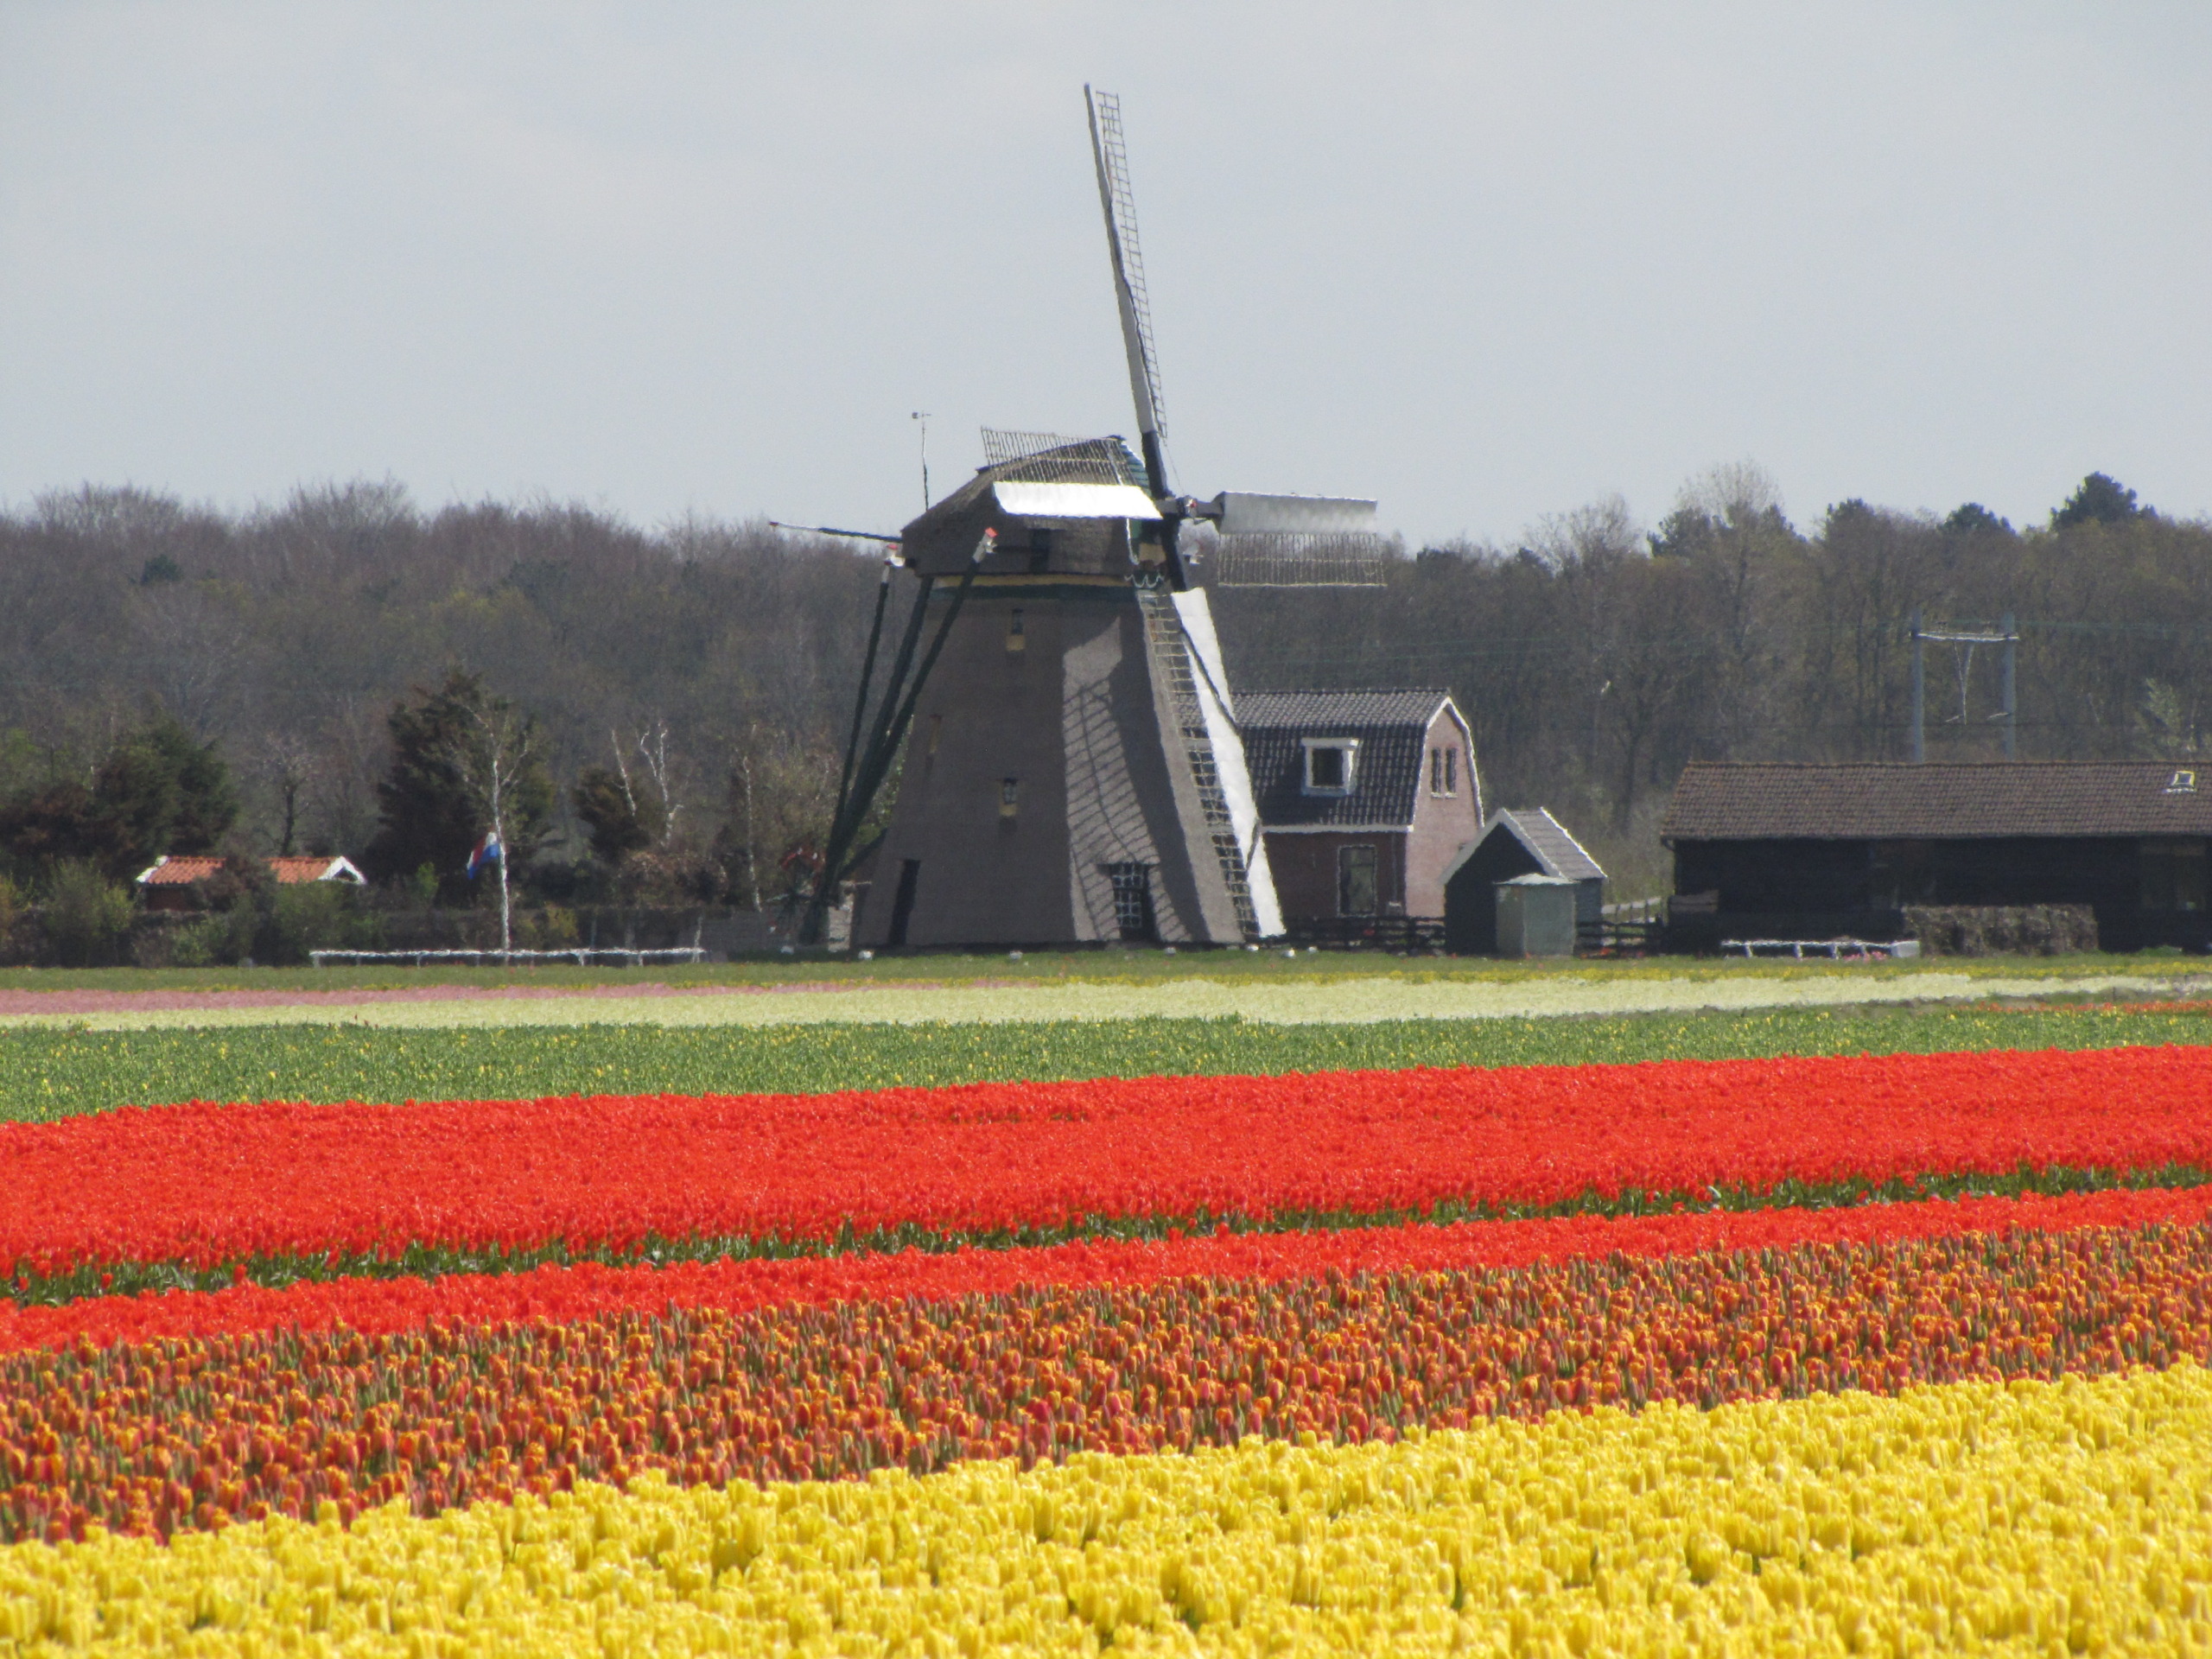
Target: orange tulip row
x=176 y=1434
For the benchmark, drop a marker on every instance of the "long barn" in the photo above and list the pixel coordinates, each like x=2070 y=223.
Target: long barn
x=1808 y=852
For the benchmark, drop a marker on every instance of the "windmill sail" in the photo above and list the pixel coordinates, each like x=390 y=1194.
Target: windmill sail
x=1119 y=206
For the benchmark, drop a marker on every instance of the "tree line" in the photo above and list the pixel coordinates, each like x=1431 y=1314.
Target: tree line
x=304 y=678
x=310 y=677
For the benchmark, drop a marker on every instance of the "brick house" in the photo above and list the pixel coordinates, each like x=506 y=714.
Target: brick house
x=1365 y=800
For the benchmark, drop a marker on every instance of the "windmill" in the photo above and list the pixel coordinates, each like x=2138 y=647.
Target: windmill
x=1072 y=769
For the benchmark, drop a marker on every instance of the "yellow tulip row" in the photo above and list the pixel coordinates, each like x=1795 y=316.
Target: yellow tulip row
x=2026 y=1518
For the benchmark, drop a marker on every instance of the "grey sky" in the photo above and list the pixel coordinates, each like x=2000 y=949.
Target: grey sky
x=1484 y=261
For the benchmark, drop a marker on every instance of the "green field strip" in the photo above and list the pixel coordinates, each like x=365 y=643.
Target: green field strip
x=46 y=1074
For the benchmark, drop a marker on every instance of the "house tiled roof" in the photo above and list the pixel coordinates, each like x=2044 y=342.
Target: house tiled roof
x=1549 y=842
x=1391 y=728
x=175 y=871
x=1891 y=800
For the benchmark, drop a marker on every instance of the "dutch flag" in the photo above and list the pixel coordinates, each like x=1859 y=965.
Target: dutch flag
x=486 y=852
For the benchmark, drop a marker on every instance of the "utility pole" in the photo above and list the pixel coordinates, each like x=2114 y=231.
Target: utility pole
x=1969 y=635
x=1919 y=695
x=2011 y=687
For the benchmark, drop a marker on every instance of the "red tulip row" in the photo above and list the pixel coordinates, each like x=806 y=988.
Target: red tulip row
x=164 y=1436
x=386 y=1306
x=209 y=1187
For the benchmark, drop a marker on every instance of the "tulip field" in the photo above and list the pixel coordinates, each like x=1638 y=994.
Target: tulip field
x=1816 y=1345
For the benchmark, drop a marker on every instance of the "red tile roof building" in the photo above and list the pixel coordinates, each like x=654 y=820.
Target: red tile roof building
x=168 y=881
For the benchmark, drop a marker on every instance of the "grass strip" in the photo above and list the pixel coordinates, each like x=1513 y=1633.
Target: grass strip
x=49 y=1074
x=276 y=1271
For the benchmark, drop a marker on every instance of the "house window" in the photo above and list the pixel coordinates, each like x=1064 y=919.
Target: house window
x=2173 y=875
x=1040 y=551
x=1355 y=880
x=1133 y=911
x=1444 y=772
x=1009 y=797
x=1015 y=640
x=1329 y=765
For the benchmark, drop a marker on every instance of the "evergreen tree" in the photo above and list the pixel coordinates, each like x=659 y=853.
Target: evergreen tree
x=1973 y=519
x=2102 y=499
x=156 y=791
x=621 y=819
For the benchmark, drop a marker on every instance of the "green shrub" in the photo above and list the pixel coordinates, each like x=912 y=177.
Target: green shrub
x=86 y=915
x=315 y=915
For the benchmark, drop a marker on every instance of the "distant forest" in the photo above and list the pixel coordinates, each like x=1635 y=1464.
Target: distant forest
x=176 y=678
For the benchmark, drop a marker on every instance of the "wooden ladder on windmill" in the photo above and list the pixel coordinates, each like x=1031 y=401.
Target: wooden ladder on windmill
x=1170 y=658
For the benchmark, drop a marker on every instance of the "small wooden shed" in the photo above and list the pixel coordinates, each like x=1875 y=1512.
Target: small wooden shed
x=1517 y=841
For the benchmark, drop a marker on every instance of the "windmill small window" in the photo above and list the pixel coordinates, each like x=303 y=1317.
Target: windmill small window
x=1009 y=797
x=1133 y=917
x=1330 y=762
x=1016 y=641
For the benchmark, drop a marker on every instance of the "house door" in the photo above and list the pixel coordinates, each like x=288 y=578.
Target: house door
x=1355 y=880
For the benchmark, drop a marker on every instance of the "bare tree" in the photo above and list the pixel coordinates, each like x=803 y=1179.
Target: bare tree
x=292 y=765
x=491 y=759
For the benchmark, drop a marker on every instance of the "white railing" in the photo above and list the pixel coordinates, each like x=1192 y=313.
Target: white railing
x=1837 y=948
x=582 y=956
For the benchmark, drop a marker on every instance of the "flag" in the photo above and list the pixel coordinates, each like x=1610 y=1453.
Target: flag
x=487 y=851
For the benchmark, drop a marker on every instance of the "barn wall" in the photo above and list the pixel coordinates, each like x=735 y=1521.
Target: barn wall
x=1861 y=885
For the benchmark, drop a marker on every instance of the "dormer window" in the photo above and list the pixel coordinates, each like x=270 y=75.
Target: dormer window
x=2182 y=783
x=1330 y=764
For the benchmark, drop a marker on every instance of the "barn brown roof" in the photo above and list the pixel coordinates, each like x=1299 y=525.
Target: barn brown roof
x=1891 y=800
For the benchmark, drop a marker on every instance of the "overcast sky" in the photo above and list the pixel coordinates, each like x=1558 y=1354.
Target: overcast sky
x=1484 y=261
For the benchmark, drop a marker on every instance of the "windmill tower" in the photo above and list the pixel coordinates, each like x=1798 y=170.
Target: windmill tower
x=1072 y=770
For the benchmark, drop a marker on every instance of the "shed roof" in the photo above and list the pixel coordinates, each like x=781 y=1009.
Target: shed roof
x=1893 y=800
x=1390 y=726
x=173 y=871
x=1556 y=852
